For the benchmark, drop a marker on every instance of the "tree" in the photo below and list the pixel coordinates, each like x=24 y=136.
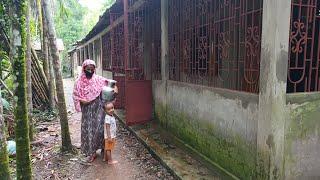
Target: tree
x=65 y=135
x=4 y=160
x=69 y=26
x=47 y=61
x=44 y=47
x=19 y=72
x=28 y=73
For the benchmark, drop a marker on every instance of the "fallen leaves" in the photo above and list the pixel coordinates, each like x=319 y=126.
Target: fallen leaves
x=139 y=155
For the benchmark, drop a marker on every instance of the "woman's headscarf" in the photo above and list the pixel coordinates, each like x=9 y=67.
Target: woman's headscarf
x=87 y=89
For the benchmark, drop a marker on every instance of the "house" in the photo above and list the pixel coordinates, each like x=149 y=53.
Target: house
x=36 y=45
x=237 y=80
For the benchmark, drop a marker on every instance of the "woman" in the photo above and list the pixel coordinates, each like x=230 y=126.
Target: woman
x=86 y=96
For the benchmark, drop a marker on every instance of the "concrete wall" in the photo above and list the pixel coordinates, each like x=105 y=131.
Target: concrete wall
x=107 y=74
x=220 y=124
x=99 y=68
x=99 y=71
x=74 y=64
x=77 y=71
x=302 y=137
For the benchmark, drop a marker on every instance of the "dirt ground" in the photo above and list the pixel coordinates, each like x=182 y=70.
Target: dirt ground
x=48 y=163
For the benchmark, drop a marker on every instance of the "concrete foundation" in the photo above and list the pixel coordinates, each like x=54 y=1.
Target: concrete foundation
x=220 y=124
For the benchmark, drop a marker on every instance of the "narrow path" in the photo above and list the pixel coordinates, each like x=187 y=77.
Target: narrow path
x=134 y=160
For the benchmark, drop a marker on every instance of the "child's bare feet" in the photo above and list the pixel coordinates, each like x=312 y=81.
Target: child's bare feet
x=112 y=162
x=91 y=158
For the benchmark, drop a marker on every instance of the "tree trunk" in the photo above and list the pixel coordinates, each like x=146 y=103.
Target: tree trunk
x=4 y=160
x=65 y=135
x=52 y=87
x=45 y=44
x=46 y=64
x=29 y=82
x=39 y=10
x=19 y=73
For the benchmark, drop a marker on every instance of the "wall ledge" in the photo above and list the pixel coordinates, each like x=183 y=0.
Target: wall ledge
x=226 y=93
x=300 y=98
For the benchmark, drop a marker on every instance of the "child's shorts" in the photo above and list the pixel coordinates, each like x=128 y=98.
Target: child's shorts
x=109 y=145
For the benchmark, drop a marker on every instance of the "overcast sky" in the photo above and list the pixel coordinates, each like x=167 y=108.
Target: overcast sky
x=92 y=4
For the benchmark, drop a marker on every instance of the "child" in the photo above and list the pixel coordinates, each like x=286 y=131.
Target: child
x=110 y=129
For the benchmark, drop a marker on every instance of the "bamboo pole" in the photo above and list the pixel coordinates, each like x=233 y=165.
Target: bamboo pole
x=6 y=87
x=36 y=60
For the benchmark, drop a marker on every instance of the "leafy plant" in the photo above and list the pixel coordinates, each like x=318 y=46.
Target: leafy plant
x=6 y=104
x=5 y=62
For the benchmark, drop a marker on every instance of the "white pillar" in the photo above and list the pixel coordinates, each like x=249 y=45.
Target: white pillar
x=273 y=83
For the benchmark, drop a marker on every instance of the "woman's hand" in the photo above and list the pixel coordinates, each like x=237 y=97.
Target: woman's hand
x=116 y=89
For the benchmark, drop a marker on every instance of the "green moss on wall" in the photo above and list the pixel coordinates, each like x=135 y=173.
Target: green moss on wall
x=303 y=123
x=263 y=165
x=232 y=153
x=304 y=120
x=160 y=114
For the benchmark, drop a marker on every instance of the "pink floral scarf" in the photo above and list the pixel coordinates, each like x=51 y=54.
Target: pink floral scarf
x=87 y=89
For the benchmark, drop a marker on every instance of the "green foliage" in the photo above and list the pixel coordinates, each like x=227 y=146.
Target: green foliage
x=73 y=22
x=47 y=115
x=10 y=83
x=33 y=29
x=4 y=15
x=4 y=58
x=6 y=104
x=5 y=21
x=6 y=66
x=4 y=166
x=63 y=12
x=69 y=25
x=69 y=22
x=91 y=17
